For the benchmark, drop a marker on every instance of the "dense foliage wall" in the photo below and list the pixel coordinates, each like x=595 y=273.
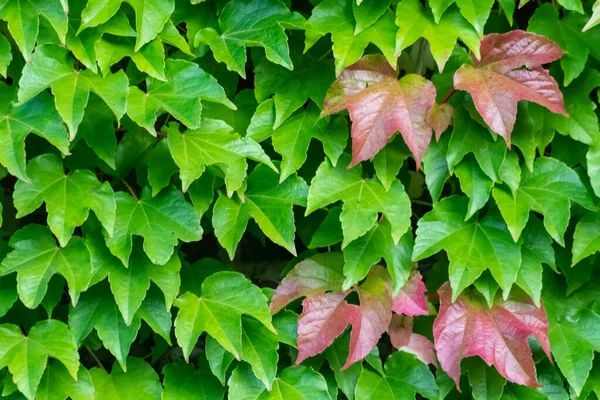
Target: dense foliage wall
x=265 y=199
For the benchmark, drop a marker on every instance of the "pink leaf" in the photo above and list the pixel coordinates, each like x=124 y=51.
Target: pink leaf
x=440 y=118
x=379 y=106
x=373 y=317
x=411 y=299
x=468 y=327
x=497 y=84
x=324 y=317
x=314 y=275
x=403 y=338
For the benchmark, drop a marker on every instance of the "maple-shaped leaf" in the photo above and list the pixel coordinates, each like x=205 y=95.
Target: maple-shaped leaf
x=99 y=311
x=337 y=17
x=405 y=376
x=379 y=105
x=498 y=334
x=225 y=297
x=68 y=198
x=184 y=381
x=162 y=221
x=363 y=200
x=213 y=143
x=292 y=383
x=27 y=356
x=497 y=82
x=411 y=299
x=37 y=257
x=138 y=381
x=51 y=66
x=176 y=96
x=249 y=24
x=317 y=274
x=23 y=19
x=414 y=21
x=291 y=89
x=403 y=338
x=267 y=201
x=472 y=246
x=39 y=116
x=150 y=16
x=549 y=190
x=293 y=137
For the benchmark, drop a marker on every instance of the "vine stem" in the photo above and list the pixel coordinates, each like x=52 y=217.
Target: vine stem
x=95 y=357
x=128 y=186
x=447 y=96
x=421 y=202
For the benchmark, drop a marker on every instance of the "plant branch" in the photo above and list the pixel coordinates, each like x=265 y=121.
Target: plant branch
x=95 y=357
x=421 y=202
x=447 y=96
x=128 y=186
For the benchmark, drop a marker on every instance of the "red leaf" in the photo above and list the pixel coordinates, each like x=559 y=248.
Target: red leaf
x=411 y=299
x=314 y=275
x=379 y=106
x=374 y=315
x=468 y=327
x=440 y=118
x=497 y=85
x=403 y=338
x=324 y=317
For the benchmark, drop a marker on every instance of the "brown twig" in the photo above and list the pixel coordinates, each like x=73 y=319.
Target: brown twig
x=447 y=96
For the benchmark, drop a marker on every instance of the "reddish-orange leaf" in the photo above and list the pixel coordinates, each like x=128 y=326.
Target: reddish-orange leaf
x=411 y=299
x=380 y=105
x=440 y=118
x=497 y=82
x=497 y=334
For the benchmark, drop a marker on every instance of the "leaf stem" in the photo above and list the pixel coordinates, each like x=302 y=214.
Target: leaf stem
x=421 y=202
x=128 y=186
x=447 y=96
x=95 y=357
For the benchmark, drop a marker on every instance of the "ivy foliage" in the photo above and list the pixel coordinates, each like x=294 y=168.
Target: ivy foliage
x=325 y=199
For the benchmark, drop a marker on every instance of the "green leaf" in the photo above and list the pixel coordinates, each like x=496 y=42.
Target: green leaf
x=472 y=246
x=183 y=381
x=27 y=356
x=486 y=382
x=140 y=381
x=363 y=200
x=176 y=96
x=68 y=198
x=476 y=12
x=547 y=190
x=595 y=18
x=161 y=167
x=150 y=16
x=249 y=24
x=162 y=221
x=36 y=258
x=405 y=375
x=435 y=166
x=52 y=67
x=309 y=79
x=57 y=383
x=23 y=19
x=414 y=22
x=474 y=183
x=213 y=143
x=266 y=201
x=329 y=231
x=347 y=378
x=39 y=116
x=5 y=55
x=218 y=311
x=219 y=359
x=293 y=137
x=389 y=160
x=367 y=12
x=586 y=239
x=97 y=129
x=259 y=349
x=292 y=383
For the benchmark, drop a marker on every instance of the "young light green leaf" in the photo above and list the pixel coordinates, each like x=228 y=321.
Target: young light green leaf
x=363 y=200
x=595 y=18
x=150 y=16
x=266 y=201
x=255 y=23
x=474 y=183
x=27 y=356
x=36 y=258
x=414 y=22
x=586 y=239
x=226 y=296
x=162 y=221
x=140 y=381
x=57 y=383
x=5 y=55
x=213 y=143
x=472 y=246
x=366 y=13
x=176 y=96
x=68 y=198
x=39 y=116
x=259 y=349
x=547 y=190
x=51 y=66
